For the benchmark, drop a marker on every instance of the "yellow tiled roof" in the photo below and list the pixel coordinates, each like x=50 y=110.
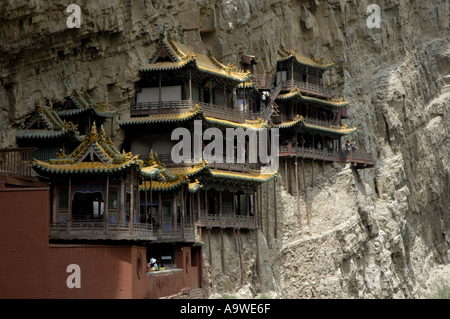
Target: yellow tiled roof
x=189 y=170
x=317 y=63
x=253 y=177
x=183 y=55
x=295 y=93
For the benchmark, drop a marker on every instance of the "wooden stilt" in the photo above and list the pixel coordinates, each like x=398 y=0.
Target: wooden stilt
x=132 y=204
x=210 y=262
x=275 y=206
x=267 y=213
x=258 y=265
x=286 y=183
x=183 y=213
x=364 y=170
x=151 y=202
x=260 y=205
x=240 y=256
x=298 y=193
x=105 y=214
x=223 y=251
x=290 y=177
x=312 y=179
x=306 y=193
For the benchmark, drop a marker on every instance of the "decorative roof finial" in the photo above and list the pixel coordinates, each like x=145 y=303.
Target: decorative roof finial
x=39 y=104
x=93 y=133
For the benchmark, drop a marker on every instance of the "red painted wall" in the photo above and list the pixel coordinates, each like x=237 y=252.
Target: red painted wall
x=31 y=268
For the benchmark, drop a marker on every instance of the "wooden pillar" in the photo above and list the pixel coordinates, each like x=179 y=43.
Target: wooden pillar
x=290 y=177
x=364 y=170
x=105 y=213
x=267 y=212
x=160 y=101
x=223 y=250
x=211 y=94
x=248 y=203
x=306 y=194
x=70 y=199
x=292 y=75
x=146 y=201
x=275 y=206
x=298 y=193
x=286 y=182
x=234 y=208
x=261 y=210
x=132 y=202
x=258 y=265
x=183 y=213
x=240 y=256
x=307 y=77
x=191 y=215
x=323 y=153
x=190 y=87
x=151 y=202
x=160 y=214
x=198 y=205
x=210 y=261
x=220 y=206
x=312 y=180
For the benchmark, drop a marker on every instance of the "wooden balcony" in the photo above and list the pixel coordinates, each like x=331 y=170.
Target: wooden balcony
x=235 y=167
x=184 y=106
x=308 y=88
x=93 y=230
x=166 y=107
x=13 y=161
x=14 y=170
x=177 y=233
x=226 y=221
x=96 y=230
x=357 y=158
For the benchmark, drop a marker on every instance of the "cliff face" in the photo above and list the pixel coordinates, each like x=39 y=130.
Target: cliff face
x=380 y=244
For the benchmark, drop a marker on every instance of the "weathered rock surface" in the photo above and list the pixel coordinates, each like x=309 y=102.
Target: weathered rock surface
x=378 y=240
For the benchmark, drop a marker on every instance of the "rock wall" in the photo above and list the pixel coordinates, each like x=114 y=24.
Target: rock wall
x=372 y=240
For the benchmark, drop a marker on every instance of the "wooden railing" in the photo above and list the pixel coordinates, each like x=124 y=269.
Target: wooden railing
x=262 y=81
x=307 y=87
x=147 y=108
x=13 y=161
x=226 y=220
x=99 y=230
x=236 y=167
x=356 y=156
x=176 y=232
x=183 y=106
x=333 y=155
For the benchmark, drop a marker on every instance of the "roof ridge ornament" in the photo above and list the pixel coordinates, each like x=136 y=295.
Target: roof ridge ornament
x=93 y=136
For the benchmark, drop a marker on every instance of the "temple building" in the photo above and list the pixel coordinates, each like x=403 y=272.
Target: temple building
x=186 y=170
x=51 y=135
x=82 y=110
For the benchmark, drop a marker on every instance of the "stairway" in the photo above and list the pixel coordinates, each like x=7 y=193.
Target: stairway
x=272 y=107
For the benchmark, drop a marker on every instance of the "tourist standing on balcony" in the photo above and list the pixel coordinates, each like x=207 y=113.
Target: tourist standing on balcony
x=347 y=146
